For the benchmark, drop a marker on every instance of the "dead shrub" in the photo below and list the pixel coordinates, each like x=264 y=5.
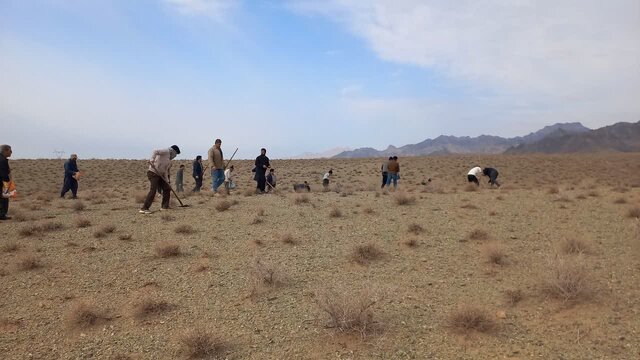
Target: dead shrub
x=83 y=222
x=513 y=296
x=301 y=199
x=575 y=245
x=494 y=253
x=78 y=206
x=258 y=242
x=335 y=213
x=568 y=279
x=478 y=234
x=349 y=309
x=256 y=220
x=468 y=318
x=28 y=262
x=149 y=305
x=51 y=226
x=415 y=228
x=368 y=210
x=411 y=243
x=223 y=205
x=108 y=229
x=200 y=344
x=553 y=190
x=620 y=200
x=99 y=234
x=634 y=212
x=364 y=254
x=124 y=237
x=9 y=246
x=402 y=198
x=165 y=249
x=288 y=239
x=83 y=315
x=184 y=229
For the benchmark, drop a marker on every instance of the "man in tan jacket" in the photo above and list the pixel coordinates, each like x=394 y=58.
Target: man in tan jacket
x=216 y=163
x=159 y=176
x=393 y=174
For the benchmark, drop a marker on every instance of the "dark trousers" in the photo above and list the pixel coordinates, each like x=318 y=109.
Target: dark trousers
x=198 y=184
x=384 y=179
x=156 y=182
x=4 y=207
x=262 y=182
x=493 y=180
x=474 y=179
x=69 y=184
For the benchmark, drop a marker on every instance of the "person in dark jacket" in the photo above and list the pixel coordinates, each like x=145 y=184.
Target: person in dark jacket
x=197 y=173
x=5 y=176
x=262 y=165
x=493 y=176
x=70 y=177
x=302 y=187
x=180 y=179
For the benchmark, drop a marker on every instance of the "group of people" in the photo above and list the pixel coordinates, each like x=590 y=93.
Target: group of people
x=159 y=175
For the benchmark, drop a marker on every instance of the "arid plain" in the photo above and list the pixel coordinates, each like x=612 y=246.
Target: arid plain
x=547 y=266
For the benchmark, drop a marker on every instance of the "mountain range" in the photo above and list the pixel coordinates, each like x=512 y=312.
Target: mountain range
x=560 y=137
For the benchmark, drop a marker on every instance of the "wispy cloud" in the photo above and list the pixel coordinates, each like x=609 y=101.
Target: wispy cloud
x=215 y=9
x=548 y=52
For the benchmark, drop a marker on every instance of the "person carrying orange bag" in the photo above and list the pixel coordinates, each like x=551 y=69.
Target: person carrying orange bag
x=5 y=177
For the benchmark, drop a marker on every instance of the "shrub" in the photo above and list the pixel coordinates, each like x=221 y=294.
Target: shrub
x=335 y=213
x=51 y=226
x=83 y=315
x=28 y=261
x=402 y=198
x=553 y=190
x=167 y=217
x=9 y=246
x=568 y=279
x=288 y=239
x=364 y=254
x=469 y=318
x=167 y=249
x=349 y=310
x=494 y=252
x=124 y=237
x=184 y=229
x=634 y=212
x=416 y=229
x=83 y=222
x=223 y=205
x=513 y=296
x=368 y=210
x=478 y=234
x=256 y=220
x=411 y=243
x=620 y=200
x=78 y=206
x=99 y=234
x=301 y=199
x=574 y=245
x=149 y=305
x=200 y=344
x=108 y=229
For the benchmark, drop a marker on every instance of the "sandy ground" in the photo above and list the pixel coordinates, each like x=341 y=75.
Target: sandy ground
x=211 y=285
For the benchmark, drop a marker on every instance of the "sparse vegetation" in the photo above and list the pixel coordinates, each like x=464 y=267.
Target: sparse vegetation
x=9 y=246
x=568 y=279
x=365 y=254
x=402 y=198
x=301 y=199
x=513 y=296
x=184 y=229
x=349 y=309
x=478 y=234
x=149 y=305
x=124 y=237
x=288 y=239
x=78 y=206
x=335 y=213
x=83 y=222
x=84 y=315
x=634 y=212
x=575 y=245
x=165 y=249
x=28 y=262
x=620 y=200
x=223 y=205
x=494 y=253
x=471 y=188
x=201 y=344
x=415 y=229
x=468 y=318
x=411 y=242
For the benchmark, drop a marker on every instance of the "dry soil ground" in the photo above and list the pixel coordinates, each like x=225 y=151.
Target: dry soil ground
x=256 y=275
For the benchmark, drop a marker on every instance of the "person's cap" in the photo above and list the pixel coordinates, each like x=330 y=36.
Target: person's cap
x=218 y=141
x=199 y=157
x=176 y=148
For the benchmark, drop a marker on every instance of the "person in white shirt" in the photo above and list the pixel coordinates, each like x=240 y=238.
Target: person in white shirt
x=228 y=179
x=325 y=179
x=474 y=175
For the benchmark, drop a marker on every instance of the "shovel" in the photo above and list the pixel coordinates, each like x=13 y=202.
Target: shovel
x=170 y=187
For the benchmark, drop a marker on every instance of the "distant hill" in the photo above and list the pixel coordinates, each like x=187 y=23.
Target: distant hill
x=622 y=137
x=323 y=155
x=484 y=144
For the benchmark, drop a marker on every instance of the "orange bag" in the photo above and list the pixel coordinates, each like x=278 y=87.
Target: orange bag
x=9 y=190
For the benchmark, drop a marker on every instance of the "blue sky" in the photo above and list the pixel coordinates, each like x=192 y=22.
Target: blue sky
x=115 y=79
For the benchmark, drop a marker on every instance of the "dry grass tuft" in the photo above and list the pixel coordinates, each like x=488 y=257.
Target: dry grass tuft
x=415 y=228
x=83 y=222
x=165 y=249
x=184 y=229
x=257 y=220
x=411 y=243
x=568 y=279
x=494 y=252
x=620 y=200
x=574 y=245
x=634 y=212
x=200 y=344
x=223 y=205
x=553 y=190
x=9 y=246
x=402 y=198
x=288 y=239
x=167 y=217
x=468 y=318
x=124 y=237
x=364 y=254
x=335 y=213
x=84 y=315
x=368 y=210
x=513 y=296
x=148 y=306
x=478 y=234
x=301 y=199
x=108 y=229
x=350 y=310
x=78 y=206
x=258 y=242
x=28 y=262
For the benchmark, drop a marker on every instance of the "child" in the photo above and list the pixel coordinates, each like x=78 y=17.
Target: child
x=228 y=179
x=180 y=179
x=271 y=180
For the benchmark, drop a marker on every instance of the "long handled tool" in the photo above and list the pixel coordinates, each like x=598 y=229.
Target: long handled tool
x=168 y=184
x=231 y=158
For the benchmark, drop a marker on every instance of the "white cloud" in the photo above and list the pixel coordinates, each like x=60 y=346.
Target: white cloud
x=575 y=53
x=215 y=9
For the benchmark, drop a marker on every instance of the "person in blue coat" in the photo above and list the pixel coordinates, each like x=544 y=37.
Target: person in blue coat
x=70 y=177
